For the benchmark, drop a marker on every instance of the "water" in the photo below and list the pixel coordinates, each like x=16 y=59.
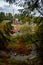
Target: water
x=7 y=21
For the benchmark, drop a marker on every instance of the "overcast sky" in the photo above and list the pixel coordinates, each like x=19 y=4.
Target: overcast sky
x=4 y=7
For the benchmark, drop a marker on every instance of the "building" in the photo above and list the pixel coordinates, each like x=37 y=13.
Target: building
x=14 y=23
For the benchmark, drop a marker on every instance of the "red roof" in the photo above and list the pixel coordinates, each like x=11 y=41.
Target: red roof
x=13 y=21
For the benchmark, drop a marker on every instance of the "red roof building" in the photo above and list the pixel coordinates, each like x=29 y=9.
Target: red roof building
x=14 y=24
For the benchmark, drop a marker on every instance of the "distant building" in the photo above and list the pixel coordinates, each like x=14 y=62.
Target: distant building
x=14 y=23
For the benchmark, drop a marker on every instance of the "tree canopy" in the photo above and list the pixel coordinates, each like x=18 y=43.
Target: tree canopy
x=30 y=5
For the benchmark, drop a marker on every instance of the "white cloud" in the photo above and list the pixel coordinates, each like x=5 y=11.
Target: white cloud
x=5 y=7
x=2 y=3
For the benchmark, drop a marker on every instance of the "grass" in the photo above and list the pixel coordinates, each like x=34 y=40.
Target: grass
x=21 y=44
x=2 y=24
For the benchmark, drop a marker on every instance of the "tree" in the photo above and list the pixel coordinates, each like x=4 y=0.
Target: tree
x=8 y=16
x=2 y=16
x=10 y=1
x=38 y=38
x=3 y=41
x=31 y=6
x=40 y=49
